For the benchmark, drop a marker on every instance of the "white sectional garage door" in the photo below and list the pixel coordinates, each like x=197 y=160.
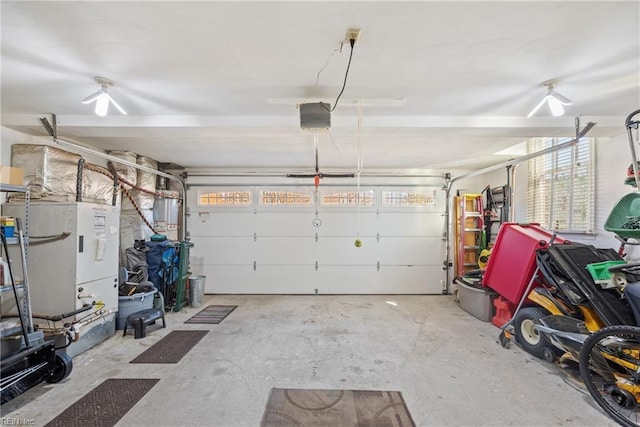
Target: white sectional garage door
x=246 y=246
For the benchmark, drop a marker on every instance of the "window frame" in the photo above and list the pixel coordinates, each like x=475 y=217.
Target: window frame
x=549 y=172
x=307 y=192
x=203 y=193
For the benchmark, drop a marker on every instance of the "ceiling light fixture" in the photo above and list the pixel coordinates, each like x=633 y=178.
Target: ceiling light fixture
x=554 y=99
x=102 y=98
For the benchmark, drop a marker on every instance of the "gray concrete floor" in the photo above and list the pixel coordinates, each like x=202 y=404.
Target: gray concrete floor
x=447 y=364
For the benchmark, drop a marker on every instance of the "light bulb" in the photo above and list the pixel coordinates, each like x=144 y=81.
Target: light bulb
x=555 y=106
x=102 y=105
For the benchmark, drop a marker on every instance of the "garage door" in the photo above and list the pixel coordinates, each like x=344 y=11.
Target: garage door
x=299 y=240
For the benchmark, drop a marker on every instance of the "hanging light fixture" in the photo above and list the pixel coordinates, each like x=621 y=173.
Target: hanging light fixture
x=102 y=98
x=554 y=99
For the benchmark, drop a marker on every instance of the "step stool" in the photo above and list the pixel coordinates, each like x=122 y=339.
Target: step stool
x=139 y=321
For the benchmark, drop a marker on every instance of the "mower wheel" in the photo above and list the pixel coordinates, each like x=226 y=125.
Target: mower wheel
x=527 y=334
x=62 y=369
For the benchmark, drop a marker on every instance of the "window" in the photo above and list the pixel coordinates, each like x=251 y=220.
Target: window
x=408 y=198
x=350 y=198
x=561 y=186
x=225 y=198
x=286 y=198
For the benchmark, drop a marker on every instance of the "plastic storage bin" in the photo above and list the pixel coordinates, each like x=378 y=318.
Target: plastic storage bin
x=513 y=258
x=131 y=304
x=476 y=300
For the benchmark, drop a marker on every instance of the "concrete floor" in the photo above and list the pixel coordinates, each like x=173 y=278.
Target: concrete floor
x=447 y=364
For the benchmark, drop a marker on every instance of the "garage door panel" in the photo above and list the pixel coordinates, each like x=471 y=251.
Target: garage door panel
x=285 y=224
x=343 y=251
x=236 y=279
x=221 y=223
x=228 y=279
x=413 y=280
x=411 y=250
x=406 y=258
x=288 y=280
x=224 y=250
x=349 y=280
x=285 y=250
x=387 y=280
x=412 y=224
x=346 y=223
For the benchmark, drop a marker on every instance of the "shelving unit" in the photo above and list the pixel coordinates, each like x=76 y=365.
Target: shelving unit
x=27 y=358
x=21 y=242
x=498 y=201
x=469 y=232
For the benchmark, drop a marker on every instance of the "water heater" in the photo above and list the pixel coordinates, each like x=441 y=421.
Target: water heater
x=166 y=208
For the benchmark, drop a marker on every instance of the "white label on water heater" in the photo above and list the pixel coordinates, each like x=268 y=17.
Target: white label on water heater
x=99 y=224
x=102 y=247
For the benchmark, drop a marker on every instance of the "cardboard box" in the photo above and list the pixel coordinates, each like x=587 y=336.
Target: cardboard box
x=11 y=176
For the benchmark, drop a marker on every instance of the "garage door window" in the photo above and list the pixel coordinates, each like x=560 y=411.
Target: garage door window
x=407 y=198
x=561 y=186
x=348 y=198
x=285 y=198
x=225 y=198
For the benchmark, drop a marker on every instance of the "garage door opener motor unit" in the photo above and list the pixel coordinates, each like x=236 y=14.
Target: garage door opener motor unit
x=315 y=116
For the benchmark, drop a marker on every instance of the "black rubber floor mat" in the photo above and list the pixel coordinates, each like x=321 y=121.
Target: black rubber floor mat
x=171 y=348
x=213 y=314
x=358 y=408
x=104 y=405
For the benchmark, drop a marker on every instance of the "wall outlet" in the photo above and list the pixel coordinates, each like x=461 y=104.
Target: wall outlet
x=353 y=34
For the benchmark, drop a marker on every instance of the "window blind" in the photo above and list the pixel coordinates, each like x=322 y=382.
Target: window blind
x=561 y=186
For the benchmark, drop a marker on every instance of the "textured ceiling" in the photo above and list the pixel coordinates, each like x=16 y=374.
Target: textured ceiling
x=215 y=84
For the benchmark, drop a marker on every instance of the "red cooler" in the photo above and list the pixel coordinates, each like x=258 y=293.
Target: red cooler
x=513 y=258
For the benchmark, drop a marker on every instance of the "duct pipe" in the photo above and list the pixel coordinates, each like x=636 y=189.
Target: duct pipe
x=78 y=147
x=511 y=162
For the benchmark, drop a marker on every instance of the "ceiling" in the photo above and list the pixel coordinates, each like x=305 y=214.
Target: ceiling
x=214 y=84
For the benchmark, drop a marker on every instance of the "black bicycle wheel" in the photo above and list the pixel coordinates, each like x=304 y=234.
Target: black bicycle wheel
x=610 y=368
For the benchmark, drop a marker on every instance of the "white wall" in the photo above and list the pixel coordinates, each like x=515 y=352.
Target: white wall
x=498 y=178
x=612 y=157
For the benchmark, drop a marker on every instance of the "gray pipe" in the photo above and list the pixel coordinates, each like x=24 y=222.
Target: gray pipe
x=75 y=146
x=630 y=124
x=446 y=265
x=511 y=162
